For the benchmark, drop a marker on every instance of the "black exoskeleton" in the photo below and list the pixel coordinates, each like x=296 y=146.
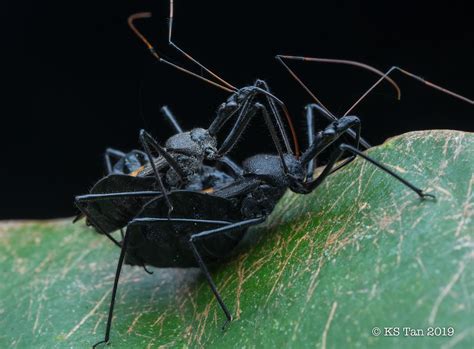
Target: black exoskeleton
x=186 y=204
x=204 y=228
x=117 y=198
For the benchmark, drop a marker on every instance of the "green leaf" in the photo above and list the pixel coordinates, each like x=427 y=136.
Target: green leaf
x=361 y=251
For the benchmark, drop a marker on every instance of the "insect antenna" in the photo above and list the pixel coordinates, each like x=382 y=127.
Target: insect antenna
x=187 y=55
x=141 y=15
x=333 y=61
x=280 y=58
x=416 y=77
x=222 y=84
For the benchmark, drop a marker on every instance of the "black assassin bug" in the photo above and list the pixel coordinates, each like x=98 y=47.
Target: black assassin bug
x=132 y=180
x=204 y=227
x=115 y=199
x=118 y=197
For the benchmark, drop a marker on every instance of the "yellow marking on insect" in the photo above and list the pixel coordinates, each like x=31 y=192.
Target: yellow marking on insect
x=137 y=171
x=208 y=191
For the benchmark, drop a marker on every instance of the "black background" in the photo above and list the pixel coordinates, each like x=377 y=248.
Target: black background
x=76 y=80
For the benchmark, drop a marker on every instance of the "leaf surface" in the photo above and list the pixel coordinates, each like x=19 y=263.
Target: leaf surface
x=361 y=251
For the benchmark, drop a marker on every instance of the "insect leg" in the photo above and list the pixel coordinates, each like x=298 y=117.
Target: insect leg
x=356 y=152
x=329 y=135
x=240 y=102
x=207 y=234
x=270 y=100
x=82 y=200
x=81 y=203
x=273 y=134
x=323 y=139
x=158 y=220
x=84 y=210
x=120 y=264
x=249 y=110
x=336 y=155
x=109 y=153
x=114 y=290
x=146 y=140
x=105 y=196
x=228 y=109
x=122 y=235
x=345 y=162
x=310 y=130
x=245 y=115
x=236 y=170
x=323 y=112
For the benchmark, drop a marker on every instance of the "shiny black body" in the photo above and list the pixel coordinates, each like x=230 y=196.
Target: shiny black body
x=167 y=226
x=135 y=177
x=163 y=241
x=114 y=209
x=203 y=227
x=180 y=164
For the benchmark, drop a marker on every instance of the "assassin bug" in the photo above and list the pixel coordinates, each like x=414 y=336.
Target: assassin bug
x=183 y=155
x=130 y=183
x=204 y=227
x=108 y=207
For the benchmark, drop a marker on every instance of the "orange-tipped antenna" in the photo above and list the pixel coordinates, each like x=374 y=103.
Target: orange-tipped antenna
x=228 y=87
x=131 y=19
x=334 y=61
x=416 y=77
x=142 y=15
x=188 y=56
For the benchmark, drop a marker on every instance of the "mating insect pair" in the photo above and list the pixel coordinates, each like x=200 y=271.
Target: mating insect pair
x=187 y=205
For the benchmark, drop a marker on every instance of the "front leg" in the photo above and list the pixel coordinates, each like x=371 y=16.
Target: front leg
x=242 y=103
x=329 y=136
x=147 y=141
x=272 y=101
x=310 y=108
x=245 y=116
